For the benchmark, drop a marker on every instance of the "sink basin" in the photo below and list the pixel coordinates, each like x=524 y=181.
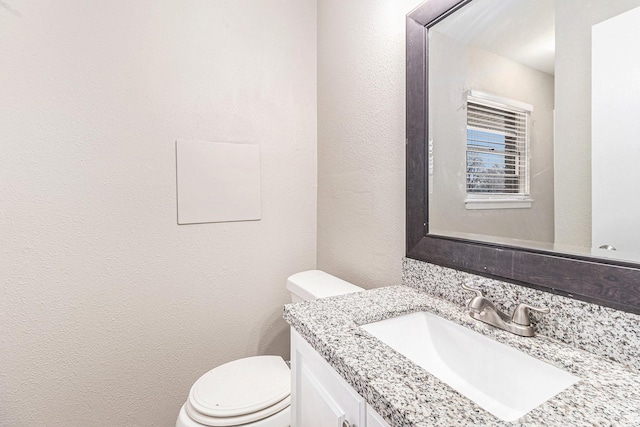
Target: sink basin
x=499 y=378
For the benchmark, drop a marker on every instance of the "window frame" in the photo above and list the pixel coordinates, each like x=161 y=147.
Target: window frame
x=501 y=200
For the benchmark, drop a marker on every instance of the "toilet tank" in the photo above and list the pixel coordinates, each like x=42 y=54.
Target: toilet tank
x=313 y=284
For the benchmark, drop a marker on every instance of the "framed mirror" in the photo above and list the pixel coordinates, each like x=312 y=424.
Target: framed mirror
x=512 y=110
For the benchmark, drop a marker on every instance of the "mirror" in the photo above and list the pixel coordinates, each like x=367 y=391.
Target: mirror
x=561 y=188
x=545 y=137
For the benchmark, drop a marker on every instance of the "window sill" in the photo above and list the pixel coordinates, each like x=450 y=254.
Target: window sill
x=497 y=203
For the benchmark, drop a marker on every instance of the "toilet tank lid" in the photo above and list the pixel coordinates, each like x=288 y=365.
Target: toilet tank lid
x=314 y=284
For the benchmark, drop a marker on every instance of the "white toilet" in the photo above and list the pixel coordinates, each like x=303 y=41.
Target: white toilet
x=255 y=391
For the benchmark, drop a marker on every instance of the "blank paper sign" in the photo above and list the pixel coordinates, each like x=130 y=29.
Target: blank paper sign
x=217 y=182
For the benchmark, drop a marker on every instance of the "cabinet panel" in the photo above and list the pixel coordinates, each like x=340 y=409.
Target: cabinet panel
x=319 y=396
x=319 y=408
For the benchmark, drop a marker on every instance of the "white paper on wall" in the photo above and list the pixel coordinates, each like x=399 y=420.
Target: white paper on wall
x=217 y=182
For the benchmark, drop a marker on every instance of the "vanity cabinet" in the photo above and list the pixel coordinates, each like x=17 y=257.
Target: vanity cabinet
x=321 y=397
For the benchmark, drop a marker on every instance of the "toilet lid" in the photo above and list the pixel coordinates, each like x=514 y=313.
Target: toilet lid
x=242 y=387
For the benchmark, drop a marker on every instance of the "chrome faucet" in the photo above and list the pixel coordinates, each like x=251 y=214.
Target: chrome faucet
x=481 y=308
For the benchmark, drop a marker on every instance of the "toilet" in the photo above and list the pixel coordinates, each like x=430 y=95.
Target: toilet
x=255 y=391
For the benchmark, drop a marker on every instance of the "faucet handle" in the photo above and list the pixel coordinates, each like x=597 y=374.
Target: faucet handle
x=470 y=289
x=521 y=313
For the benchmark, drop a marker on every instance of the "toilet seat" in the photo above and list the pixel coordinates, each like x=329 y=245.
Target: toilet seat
x=280 y=419
x=241 y=420
x=240 y=392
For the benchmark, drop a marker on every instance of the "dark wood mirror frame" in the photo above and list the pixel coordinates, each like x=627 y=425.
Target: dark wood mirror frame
x=609 y=283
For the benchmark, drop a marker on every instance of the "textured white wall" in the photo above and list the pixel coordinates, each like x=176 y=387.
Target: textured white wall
x=108 y=309
x=361 y=139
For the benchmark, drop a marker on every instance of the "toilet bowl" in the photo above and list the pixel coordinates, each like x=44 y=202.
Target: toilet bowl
x=255 y=391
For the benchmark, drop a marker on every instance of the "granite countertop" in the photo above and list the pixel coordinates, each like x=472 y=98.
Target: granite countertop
x=407 y=395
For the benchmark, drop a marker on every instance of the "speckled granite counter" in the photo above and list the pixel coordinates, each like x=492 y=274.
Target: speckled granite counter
x=406 y=395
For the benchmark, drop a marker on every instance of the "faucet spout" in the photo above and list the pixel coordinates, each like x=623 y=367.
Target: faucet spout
x=482 y=309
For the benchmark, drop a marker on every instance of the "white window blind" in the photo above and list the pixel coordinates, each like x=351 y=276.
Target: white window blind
x=497 y=149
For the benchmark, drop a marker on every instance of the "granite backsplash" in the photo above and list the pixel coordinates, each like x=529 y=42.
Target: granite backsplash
x=603 y=331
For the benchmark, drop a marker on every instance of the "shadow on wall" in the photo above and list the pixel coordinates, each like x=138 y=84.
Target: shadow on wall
x=274 y=336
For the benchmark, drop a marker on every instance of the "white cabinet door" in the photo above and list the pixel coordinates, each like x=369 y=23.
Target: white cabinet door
x=319 y=408
x=320 y=397
x=614 y=136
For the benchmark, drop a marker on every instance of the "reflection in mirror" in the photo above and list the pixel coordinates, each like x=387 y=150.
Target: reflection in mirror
x=532 y=122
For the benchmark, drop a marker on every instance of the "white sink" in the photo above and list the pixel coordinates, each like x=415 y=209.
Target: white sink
x=499 y=378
